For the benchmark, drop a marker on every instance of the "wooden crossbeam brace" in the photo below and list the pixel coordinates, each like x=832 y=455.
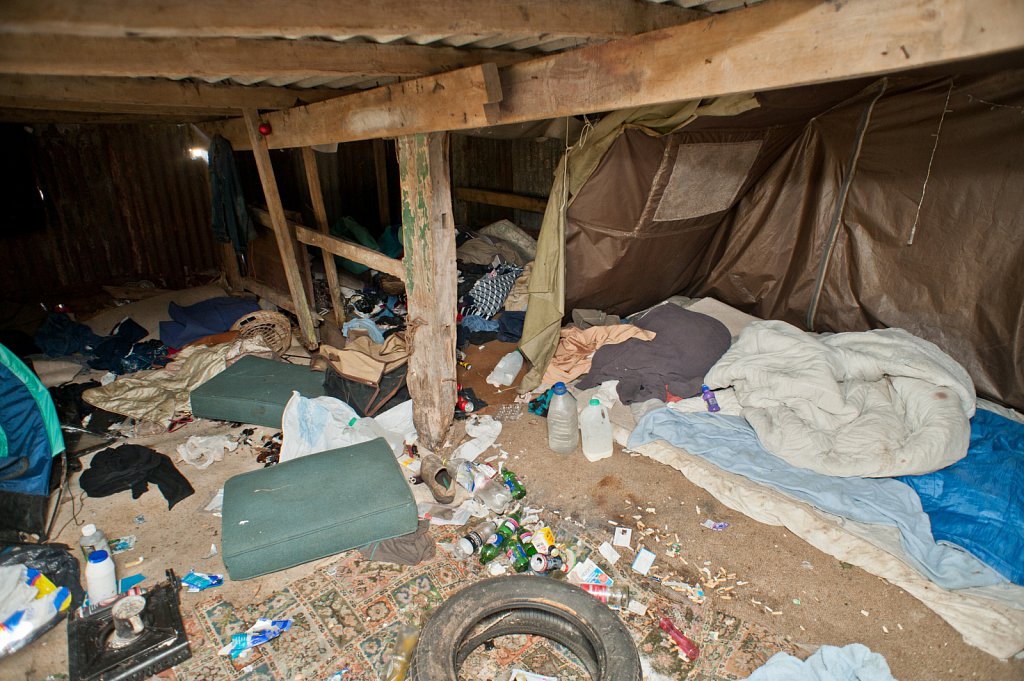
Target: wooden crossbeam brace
x=285 y=239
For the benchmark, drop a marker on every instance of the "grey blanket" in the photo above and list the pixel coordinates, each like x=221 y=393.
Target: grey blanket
x=687 y=345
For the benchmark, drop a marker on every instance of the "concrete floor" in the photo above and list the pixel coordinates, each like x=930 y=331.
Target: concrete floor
x=778 y=566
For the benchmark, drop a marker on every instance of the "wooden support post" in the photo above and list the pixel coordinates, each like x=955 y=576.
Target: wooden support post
x=229 y=262
x=428 y=232
x=316 y=196
x=380 y=165
x=285 y=239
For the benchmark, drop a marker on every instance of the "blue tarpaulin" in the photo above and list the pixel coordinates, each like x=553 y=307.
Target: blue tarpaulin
x=978 y=503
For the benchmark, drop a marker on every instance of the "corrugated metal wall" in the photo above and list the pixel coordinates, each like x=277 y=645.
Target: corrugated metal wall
x=518 y=166
x=122 y=202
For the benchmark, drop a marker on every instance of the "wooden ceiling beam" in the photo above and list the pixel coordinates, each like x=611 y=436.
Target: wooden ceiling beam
x=103 y=107
x=467 y=97
x=771 y=45
x=305 y=18
x=39 y=117
x=67 y=92
x=221 y=58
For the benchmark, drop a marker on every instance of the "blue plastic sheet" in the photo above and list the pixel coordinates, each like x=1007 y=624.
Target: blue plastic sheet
x=730 y=443
x=978 y=503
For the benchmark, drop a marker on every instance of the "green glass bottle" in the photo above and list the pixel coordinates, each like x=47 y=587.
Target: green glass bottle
x=514 y=486
x=518 y=558
x=492 y=549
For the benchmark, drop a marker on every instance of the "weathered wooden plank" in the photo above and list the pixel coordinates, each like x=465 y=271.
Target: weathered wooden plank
x=316 y=197
x=60 y=55
x=39 y=116
x=152 y=92
x=463 y=98
x=229 y=263
x=104 y=107
x=285 y=240
x=428 y=232
x=380 y=168
x=503 y=199
x=347 y=249
x=777 y=44
x=271 y=18
x=334 y=245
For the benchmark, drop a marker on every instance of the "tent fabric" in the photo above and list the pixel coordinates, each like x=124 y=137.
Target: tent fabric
x=885 y=213
x=547 y=306
x=977 y=503
x=870 y=204
x=29 y=429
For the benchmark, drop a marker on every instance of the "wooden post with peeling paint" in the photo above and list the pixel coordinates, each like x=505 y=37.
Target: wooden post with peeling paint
x=431 y=282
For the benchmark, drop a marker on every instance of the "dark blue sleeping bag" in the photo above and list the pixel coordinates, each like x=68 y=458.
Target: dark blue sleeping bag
x=978 y=502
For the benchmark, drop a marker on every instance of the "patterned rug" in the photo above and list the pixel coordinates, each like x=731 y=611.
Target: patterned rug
x=347 y=614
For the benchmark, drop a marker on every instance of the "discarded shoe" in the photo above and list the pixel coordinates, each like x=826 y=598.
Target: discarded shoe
x=439 y=481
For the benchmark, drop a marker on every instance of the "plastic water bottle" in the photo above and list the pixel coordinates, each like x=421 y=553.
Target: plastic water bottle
x=563 y=421
x=709 y=398
x=100 y=578
x=506 y=370
x=91 y=540
x=597 y=431
x=494 y=494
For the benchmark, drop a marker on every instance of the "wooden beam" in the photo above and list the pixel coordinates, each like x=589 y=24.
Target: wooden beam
x=316 y=197
x=151 y=92
x=347 y=249
x=103 y=107
x=285 y=240
x=462 y=98
x=334 y=245
x=380 y=167
x=39 y=117
x=771 y=45
x=221 y=58
x=503 y=199
x=270 y=18
x=428 y=233
x=229 y=264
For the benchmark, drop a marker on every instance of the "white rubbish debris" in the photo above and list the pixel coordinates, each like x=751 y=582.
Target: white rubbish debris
x=202 y=451
x=623 y=537
x=484 y=430
x=609 y=554
x=643 y=561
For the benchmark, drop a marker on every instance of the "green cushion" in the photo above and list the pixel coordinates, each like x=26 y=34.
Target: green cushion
x=314 y=506
x=254 y=390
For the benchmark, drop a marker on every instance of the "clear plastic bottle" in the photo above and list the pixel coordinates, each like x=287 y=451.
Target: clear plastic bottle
x=91 y=540
x=597 y=431
x=615 y=597
x=506 y=370
x=563 y=421
x=494 y=494
x=100 y=577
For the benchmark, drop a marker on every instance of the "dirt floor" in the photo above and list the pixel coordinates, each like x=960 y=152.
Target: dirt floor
x=838 y=603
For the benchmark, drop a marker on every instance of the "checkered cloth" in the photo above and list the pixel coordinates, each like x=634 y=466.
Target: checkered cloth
x=490 y=291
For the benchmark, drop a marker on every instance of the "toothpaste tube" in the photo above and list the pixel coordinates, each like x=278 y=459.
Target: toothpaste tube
x=259 y=633
x=198 y=581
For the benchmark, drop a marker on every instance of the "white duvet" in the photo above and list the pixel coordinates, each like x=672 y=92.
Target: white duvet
x=872 y=404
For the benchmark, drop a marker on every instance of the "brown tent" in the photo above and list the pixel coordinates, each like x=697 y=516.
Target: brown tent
x=890 y=203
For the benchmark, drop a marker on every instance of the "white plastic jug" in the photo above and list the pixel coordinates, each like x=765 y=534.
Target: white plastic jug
x=563 y=421
x=596 y=428
x=100 y=578
x=506 y=370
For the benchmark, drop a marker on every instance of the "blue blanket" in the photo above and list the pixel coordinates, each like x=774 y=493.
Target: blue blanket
x=730 y=443
x=978 y=502
x=205 y=318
